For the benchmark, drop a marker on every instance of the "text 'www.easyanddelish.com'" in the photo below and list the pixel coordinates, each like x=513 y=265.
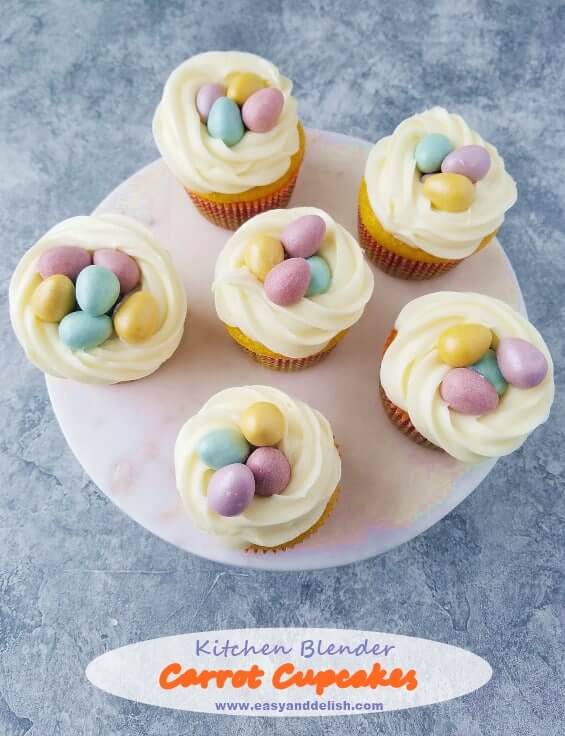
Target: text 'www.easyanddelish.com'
x=337 y=706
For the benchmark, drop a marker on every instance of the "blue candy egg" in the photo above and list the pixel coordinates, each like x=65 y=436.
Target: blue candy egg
x=224 y=121
x=97 y=290
x=430 y=152
x=223 y=447
x=320 y=276
x=83 y=331
x=487 y=366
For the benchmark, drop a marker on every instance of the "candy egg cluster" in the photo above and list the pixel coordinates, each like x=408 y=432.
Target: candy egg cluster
x=91 y=295
x=482 y=367
x=244 y=103
x=245 y=459
x=449 y=173
x=289 y=267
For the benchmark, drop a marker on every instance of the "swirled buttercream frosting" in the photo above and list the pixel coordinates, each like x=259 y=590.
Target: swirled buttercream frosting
x=412 y=373
x=113 y=361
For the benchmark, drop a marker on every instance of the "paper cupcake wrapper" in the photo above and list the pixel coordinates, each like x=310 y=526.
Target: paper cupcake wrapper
x=274 y=361
x=305 y=535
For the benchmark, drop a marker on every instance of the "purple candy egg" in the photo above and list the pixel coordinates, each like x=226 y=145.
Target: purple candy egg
x=64 y=259
x=261 y=110
x=520 y=362
x=121 y=265
x=467 y=392
x=205 y=98
x=286 y=283
x=231 y=489
x=470 y=161
x=271 y=470
x=303 y=237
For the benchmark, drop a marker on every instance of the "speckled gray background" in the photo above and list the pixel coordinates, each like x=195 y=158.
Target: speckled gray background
x=80 y=81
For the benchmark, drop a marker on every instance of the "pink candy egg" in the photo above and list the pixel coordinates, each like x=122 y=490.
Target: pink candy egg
x=122 y=265
x=271 y=470
x=261 y=111
x=471 y=161
x=303 y=237
x=287 y=283
x=231 y=489
x=205 y=98
x=467 y=392
x=64 y=259
x=520 y=362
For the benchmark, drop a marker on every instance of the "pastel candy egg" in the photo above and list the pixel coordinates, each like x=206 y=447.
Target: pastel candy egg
x=520 y=362
x=487 y=366
x=449 y=192
x=470 y=161
x=137 y=318
x=122 y=265
x=84 y=331
x=463 y=344
x=467 y=392
x=223 y=447
x=270 y=469
x=97 y=290
x=262 y=254
x=320 y=276
x=262 y=424
x=430 y=152
x=224 y=121
x=231 y=490
x=242 y=85
x=261 y=111
x=64 y=259
x=303 y=237
x=287 y=283
x=53 y=298
x=205 y=98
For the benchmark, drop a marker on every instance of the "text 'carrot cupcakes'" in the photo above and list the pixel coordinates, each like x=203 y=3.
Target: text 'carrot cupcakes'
x=228 y=129
x=97 y=300
x=466 y=373
x=258 y=469
x=433 y=194
x=289 y=284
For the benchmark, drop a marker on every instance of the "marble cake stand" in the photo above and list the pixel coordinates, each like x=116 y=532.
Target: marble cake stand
x=124 y=435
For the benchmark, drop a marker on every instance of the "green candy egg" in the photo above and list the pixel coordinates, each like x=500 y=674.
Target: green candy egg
x=224 y=121
x=320 y=276
x=84 y=331
x=430 y=152
x=223 y=447
x=97 y=290
x=487 y=366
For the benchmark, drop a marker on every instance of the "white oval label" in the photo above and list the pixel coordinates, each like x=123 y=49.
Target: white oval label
x=289 y=672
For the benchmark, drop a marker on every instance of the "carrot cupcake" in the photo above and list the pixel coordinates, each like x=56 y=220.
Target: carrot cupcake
x=258 y=469
x=227 y=127
x=289 y=284
x=97 y=300
x=466 y=373
x=433 y=194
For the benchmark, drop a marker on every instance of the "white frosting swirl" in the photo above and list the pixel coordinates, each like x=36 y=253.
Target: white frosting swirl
x=396 y=195
x=306 y=327
x=308 y=444
x=205 y=164
x=411 y=374
x=113 y=361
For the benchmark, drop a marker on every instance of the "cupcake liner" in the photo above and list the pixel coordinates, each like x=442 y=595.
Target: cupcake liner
x=267 y=358
x=231 y=211
x=308 y=533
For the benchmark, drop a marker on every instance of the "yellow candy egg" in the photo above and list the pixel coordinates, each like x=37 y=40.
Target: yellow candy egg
x=262 y=424
x=464 y=344
x=137 y=317
x=262 y=254
x=54 y=298
x=449 y=192
x=242 y=85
